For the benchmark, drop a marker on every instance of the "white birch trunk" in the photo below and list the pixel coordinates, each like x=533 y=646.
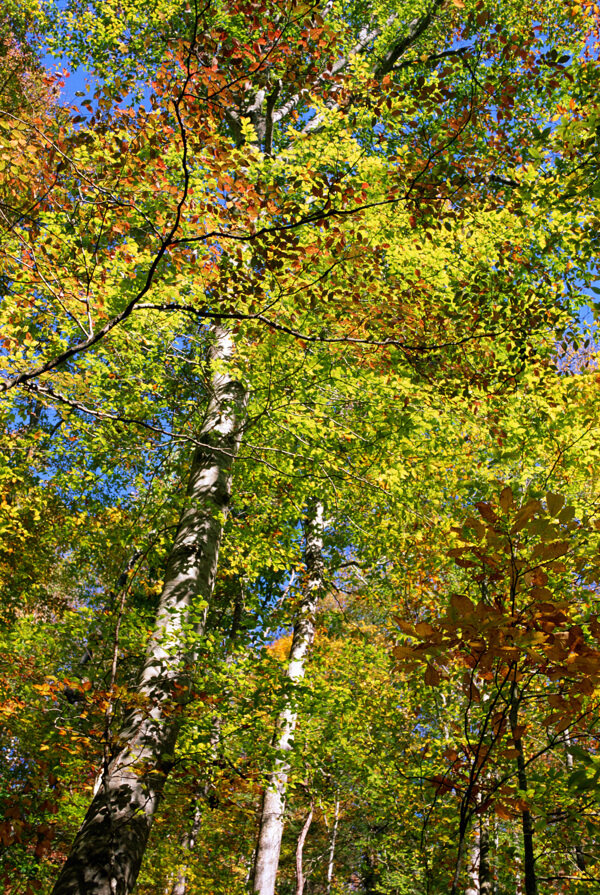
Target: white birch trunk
x=300 y=878
x=331 y=858
x=473 y=884
x=107 y=853
x=271 y=822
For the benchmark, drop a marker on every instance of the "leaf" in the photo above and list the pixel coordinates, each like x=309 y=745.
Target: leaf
x=432 y=676
x=486 y=511
x=462 y=605
x=506 y=498
x=404 y=626
x=525 y=514
x=554 y=503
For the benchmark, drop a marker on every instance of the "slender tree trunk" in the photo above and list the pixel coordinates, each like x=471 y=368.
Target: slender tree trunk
x=474 y=863
x=188 y=842
x=204 y=794
x=480 y=875
x=370 y=875
x=531 y=887
x=486 y=882
x=578 y=850
x=331 y=858
x=271 y=822
x=495 y=890
x=107 y=853
x=300 y=880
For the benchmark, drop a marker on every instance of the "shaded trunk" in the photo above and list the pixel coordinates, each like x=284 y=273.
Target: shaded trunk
x=107 y=853
x=370 y=875
x=271 y=822
x=480 y=874
x=531 y=887
x=299 y=850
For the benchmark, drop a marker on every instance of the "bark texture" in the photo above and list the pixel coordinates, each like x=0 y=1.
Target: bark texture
x=107 y=853
x=271 y=822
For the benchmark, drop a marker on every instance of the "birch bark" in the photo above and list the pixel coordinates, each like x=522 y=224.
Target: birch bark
x=331 y=857
x=106 y=856
x=300 y=878
x=271 y=822
x=473 y=884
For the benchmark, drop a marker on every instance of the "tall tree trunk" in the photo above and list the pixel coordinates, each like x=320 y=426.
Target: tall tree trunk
x=300 y=879
x=107 y=853
x=531 y=887
x=271 y=822
x=330 y=860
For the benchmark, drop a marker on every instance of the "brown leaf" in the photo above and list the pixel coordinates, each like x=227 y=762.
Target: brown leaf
x=595 y=626
x=462 y=604
x=404 y=626
x=552 y=551
x=432 y=675
x=503 y=812
x=476 y=525
x=554 y=503
x=525 y=514
x=486 y=511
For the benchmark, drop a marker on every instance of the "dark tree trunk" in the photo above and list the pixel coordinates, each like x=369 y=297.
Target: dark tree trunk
x=531 y=887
